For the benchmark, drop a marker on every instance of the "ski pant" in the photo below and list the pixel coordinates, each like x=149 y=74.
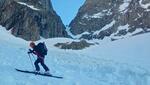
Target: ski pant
x=41 y=61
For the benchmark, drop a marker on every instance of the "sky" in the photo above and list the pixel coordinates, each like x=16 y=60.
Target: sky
x=67 y=9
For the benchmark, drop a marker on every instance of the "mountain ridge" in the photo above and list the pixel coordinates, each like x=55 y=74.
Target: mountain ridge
x=111 y=18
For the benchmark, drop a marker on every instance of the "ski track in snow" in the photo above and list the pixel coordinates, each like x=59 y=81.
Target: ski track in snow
x=76 y=67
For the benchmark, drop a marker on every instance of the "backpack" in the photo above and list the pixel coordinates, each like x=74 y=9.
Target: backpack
x=42 y=49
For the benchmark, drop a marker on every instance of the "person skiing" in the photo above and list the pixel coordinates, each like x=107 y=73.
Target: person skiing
x=40 y=58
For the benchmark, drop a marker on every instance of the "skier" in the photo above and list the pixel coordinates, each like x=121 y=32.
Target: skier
x=40 y=57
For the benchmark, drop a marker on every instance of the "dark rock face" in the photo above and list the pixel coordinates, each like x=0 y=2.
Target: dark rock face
x=31 y=19
x=111 y=18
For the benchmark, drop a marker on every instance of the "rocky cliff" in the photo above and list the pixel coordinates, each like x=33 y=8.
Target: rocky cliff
x=31 y=19
x=112 y=18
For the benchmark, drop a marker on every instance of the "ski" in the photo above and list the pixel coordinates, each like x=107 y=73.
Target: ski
x=42 y=74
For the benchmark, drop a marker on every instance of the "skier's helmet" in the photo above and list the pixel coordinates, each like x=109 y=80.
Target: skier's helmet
x=32 y=44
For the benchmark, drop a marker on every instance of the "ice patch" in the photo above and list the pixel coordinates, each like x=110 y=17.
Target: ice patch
x=123 y=27
x=75 y=36
x=148 y=29
x=30 y=6
x=145 y=6
x=126 y=27
x=98 y=15
x=123 y=7
x=105 y=27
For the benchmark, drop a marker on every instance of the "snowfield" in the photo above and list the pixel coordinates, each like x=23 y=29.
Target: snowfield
x=121 y=62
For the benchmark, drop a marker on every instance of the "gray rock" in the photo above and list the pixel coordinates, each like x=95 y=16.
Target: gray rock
x=74 y=45
x=31 y=19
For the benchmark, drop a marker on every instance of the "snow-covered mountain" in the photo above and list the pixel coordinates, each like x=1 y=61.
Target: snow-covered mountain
x=122 y=62
x=31 y=19
x=111 y=18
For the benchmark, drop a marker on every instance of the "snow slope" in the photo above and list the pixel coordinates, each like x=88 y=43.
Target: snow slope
x=122 y=62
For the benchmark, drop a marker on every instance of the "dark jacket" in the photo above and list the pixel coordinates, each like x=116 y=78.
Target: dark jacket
x=37 y=52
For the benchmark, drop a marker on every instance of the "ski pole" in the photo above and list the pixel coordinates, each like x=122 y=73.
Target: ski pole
x=31 y=61
x=33 y=57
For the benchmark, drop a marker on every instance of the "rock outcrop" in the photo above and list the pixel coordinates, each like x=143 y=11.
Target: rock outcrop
x=31 y=19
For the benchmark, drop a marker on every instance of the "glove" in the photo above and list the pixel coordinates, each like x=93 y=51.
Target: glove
x=30 y=51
